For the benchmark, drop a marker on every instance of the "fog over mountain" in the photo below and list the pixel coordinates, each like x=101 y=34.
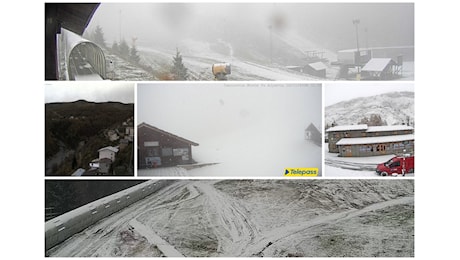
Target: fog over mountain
x=252 y=26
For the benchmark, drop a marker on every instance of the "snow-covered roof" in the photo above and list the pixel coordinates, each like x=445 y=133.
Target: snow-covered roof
x=347 y=128
x=110 y=148
x=312 y=127
x=387 y=128
x=376 y=64
x=318 y=65
x=375 y=140
x=78 y=172
x=293 y=67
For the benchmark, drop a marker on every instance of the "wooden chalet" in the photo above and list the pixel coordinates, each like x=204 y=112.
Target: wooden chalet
x=313 y=134
x=158 y=148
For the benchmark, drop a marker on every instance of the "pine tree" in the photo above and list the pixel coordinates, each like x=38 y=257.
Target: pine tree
x=99 y=37
x=134 y=56
x=115 y=48
x=178 y=70
x=124 y=49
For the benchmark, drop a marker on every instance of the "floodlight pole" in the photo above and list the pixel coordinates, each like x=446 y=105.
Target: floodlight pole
x=271 y=44
x=358 y=57
x=356 y=22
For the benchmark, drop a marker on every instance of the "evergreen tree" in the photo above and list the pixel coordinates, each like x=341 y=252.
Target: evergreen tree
x=134 y=56
x=99 y=37
x=178 y=70
x=115 y=48
x=124 y=49
x=373 y=120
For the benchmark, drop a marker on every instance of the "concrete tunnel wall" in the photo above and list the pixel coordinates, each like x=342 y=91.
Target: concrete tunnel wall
x=66 y=225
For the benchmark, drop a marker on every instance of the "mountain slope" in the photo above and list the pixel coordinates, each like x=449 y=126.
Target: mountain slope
x=394 y=108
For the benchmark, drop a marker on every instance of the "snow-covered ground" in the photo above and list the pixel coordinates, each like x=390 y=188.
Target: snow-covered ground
x=232 y=161
x=336 y=166
x=234 y=156
x=244 y=131
x=198 y=57
x=271 y=218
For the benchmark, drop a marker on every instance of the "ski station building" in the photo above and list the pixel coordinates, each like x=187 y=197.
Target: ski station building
x=158 y=148
x=363 y=140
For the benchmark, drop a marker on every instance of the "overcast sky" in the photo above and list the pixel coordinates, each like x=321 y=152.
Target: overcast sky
x=103 y=91
x=337 y=91
x=328 y=24
x=199 y=111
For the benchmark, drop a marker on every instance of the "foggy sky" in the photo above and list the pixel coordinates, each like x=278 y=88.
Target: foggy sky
x=69 y=91
x=328 y=24
x=203 y=110
x=337 y=92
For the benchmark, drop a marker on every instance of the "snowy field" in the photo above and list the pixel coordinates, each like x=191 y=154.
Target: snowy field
x=243 y=131
x=354 y=166
x=230 y=161
x=199 y=58
x=270 y=218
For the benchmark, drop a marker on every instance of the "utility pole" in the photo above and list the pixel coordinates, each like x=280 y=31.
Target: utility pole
x=271 y=44
x=119 y=25
x=356 y=23
x=358 y=56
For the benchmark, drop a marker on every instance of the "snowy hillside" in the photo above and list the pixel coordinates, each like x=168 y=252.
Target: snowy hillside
x=265 y=218
x=394 y=108
x=248 y=62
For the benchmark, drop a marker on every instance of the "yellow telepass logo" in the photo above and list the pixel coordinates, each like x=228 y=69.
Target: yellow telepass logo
x=303 y=172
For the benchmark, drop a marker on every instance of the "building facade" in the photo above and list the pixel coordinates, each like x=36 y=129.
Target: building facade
x=108 y=152
x=361 y=140
x=312 y=134
x=158 y=148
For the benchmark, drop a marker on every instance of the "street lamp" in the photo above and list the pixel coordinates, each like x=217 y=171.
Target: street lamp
x=358 y=56
x=271 y=44
x=356 y=22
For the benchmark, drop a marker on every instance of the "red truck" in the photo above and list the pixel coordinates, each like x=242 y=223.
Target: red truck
x=396 y=165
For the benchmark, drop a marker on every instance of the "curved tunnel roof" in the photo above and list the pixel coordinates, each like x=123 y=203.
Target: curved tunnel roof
x=74 y=17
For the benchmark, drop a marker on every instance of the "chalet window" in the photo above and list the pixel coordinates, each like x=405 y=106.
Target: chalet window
x=167 y=151
x=398 y=146
x=365 y=148
x=180 y=151
x=151 y=143
x=153 y=152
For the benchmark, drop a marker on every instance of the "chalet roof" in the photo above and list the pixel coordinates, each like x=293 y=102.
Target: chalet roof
x=389 y=128
x=375 y=140
x=312 y=127
x=317 y=65
x=167 y=133
x=110 y=148
x=377 y=64
x=347 y=128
